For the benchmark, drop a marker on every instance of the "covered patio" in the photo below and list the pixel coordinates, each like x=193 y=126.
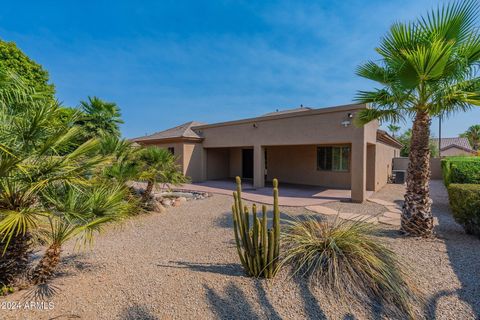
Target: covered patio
x=291 y=195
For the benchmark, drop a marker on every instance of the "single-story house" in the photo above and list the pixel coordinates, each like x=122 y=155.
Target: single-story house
x=455 y=147
x=319 y=147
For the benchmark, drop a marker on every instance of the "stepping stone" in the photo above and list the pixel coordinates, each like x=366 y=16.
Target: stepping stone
x=394 y=209
x=322 y=210
x=358 y=217
x=391 y=214
x=390 y=221
x=382 y=202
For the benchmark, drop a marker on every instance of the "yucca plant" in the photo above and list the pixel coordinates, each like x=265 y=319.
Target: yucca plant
x=76 y=213
x=345 y=258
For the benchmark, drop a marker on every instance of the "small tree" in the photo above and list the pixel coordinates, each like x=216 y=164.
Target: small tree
x=76 y=213
x=33 y=75
x=473 y=136
x=100 y=118
x=158 y=165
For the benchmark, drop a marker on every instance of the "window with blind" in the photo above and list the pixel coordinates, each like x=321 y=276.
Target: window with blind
x=333 y=158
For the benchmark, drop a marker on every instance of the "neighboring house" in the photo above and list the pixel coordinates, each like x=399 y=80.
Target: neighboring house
x=307 y=146
x=454 y=147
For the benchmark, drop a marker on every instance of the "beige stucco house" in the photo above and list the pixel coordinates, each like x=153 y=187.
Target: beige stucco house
x=320 y=147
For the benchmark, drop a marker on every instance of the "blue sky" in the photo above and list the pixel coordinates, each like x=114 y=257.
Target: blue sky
x=169 y=62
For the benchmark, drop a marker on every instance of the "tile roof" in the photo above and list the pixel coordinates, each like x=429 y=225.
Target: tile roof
x=449 y=142
x=181 y=131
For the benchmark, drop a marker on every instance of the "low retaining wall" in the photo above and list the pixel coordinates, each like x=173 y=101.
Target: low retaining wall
x=401 y=163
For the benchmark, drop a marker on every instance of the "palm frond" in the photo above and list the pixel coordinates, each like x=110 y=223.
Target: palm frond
x=365 y=116
x=455 y=21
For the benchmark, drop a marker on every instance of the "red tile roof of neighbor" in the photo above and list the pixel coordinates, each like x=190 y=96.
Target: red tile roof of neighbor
x=461 y=143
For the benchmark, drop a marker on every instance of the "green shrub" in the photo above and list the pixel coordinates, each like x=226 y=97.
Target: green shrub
x=465 y=204
x=461 y=170
x=347 y=260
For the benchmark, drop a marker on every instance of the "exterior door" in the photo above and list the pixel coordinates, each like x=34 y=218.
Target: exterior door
x=247 y=163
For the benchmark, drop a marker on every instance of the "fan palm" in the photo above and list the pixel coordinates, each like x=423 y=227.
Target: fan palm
x=427 y=69
x=123 y=166
x=31 y=159
x=101 y=118
x=393 y=129
x=473 y=136
x=76 y=213
x=158 y=166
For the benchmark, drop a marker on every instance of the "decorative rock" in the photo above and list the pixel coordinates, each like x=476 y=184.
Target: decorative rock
x=158 y=207
x=167 y=202
x=322 y=210
x=390 y=221
x=182 y=199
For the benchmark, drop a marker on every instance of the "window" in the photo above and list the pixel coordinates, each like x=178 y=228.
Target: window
x=333 y=158
x=171 y=150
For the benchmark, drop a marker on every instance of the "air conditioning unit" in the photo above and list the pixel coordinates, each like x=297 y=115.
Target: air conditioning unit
x=399 y=176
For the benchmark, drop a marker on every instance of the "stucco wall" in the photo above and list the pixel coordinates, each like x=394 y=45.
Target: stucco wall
x=192 y=161
x=298 y=164
x=305 y=128
x=218 y=163
x=235 y=162
x=401 y=163
x=384 y=155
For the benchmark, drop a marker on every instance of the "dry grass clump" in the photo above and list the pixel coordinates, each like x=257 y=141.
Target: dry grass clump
x=346 y=258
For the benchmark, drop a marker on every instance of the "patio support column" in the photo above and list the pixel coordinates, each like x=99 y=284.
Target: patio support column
x=258 y=166
x=359 y=171
x=203 y=164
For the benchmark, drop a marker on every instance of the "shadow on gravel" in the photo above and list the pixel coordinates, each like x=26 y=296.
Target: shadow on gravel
x=137 y=312
x=234 y=304
x=463 y=252
x=310 y=303
x=40 y=292
x=228 y=269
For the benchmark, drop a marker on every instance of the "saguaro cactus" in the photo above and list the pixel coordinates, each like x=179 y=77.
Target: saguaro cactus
x=258 y=246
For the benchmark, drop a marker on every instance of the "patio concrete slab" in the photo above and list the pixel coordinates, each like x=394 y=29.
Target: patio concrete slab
x=358 y=217
x=395 y=209
x=382 y=202
x=390 y=214
x=389 y=221
x=290 y=195
x=322 y=210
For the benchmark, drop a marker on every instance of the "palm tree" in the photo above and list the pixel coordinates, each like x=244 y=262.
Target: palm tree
x=473 y=136
x=427 y=68
x=100 y=118
x=32 y=145
x=76 y=213
x=393 y=129
x=158 y=166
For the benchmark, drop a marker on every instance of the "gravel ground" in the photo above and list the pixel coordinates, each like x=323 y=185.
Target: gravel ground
x=182 y=264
